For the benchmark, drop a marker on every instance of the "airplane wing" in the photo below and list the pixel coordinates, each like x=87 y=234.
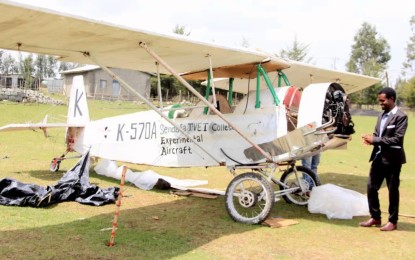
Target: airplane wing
x=33 y=29
x=302 y=74
x=299 y=75
x=69 y=37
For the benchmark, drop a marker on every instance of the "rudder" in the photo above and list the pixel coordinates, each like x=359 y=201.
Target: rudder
x=78 y=113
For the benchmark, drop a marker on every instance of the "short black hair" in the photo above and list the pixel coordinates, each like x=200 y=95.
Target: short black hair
x=389 y=92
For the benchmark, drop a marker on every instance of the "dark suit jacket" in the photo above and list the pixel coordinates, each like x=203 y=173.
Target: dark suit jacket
x=391 y=142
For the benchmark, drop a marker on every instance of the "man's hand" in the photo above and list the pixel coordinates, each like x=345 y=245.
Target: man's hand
x=367 y=139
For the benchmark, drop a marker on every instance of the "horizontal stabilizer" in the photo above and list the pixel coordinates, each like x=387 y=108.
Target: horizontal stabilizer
x=35 y=126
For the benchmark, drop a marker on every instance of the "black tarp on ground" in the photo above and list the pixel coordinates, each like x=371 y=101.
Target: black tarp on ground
x=73 y=186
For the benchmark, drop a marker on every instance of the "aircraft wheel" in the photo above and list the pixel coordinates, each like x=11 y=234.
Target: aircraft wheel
x=308 y=180
x=249 y=198
x=54 y=165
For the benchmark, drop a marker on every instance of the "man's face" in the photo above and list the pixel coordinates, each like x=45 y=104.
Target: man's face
x=387 y=104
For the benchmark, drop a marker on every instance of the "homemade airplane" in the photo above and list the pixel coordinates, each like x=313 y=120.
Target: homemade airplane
x=274 y=125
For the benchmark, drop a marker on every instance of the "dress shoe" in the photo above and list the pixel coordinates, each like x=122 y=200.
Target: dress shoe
x=371 y=222
x=389 y=227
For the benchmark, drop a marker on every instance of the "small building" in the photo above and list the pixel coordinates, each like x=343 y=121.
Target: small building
x=11 y=81
x=16 y=81
x=100 y=85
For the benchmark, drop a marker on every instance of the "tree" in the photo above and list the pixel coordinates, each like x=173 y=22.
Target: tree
x=370 y=55
x=370 y=52
x=409 y=64
x=245 y=43
x=298 y=52
x=45 y=67
x=9 y=64
x=30 y=66
x=27 y=70
x=180 y=29
x=51 y=68
x=171 y=87
x=64 y=66
x=406 y=93
x=406 y=88
x=40 y=65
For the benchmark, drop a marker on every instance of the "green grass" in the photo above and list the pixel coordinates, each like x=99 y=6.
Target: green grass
x=187 y=227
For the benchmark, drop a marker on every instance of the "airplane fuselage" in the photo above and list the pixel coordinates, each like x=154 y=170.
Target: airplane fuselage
x=147 y=138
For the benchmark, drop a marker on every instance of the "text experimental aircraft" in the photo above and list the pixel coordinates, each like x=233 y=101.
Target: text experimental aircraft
x=274 y=124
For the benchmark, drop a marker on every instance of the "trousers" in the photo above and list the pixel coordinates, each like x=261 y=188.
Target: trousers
x=378 y=172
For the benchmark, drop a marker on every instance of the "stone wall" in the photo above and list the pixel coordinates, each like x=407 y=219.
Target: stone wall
x=18 y=95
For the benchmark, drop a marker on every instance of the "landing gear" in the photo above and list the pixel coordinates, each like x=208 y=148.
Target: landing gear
x=54 y=165
x=301 y=180
x=249 y=198
x=56 y=162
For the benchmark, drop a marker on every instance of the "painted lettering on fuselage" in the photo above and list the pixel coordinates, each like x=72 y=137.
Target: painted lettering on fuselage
x=180 y=144
x=176 y=150
x=215 y=127
x=169 y=138
x=195 y=127
x=173 y=143
x=136 y=131
x=77 y=99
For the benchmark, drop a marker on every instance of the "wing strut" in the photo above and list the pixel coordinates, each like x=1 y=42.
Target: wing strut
x=159 y=86
x=126 y=85
x=197 y=94
x=211 y=80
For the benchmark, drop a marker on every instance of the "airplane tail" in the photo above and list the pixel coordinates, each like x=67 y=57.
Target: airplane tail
x=78 y=113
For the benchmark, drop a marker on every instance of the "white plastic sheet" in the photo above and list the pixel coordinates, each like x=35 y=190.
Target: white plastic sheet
x=106 y=167
x=143 y=180
x=337 y=202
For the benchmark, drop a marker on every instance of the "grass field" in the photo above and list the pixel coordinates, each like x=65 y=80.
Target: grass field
x=157 y=225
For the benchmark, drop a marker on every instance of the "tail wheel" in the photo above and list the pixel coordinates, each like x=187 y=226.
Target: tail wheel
x=249 y=198
x=54 y=165
x=305 y=178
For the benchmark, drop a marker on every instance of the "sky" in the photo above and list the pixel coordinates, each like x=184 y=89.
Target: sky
x=327 y=27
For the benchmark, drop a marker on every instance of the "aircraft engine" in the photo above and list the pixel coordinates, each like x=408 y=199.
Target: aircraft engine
x=337 y=106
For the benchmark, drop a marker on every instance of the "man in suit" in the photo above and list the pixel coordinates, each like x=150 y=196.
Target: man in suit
x=387 y=158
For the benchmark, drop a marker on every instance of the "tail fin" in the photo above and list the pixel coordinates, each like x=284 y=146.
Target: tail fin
x=78 y=108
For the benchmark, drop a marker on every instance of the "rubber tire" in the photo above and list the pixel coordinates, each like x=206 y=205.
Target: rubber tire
x=54 y=167
x=300 y=170
x=269 y=198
